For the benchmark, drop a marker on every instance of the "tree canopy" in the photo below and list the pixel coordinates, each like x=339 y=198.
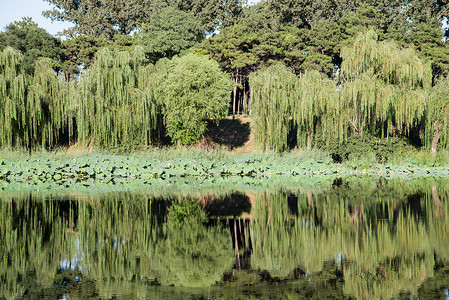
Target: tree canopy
x=111 y=17
x=34 y=42
x=32 y=108
x=322 y=71
x=194 y=89
x=381 y=89
x=169 y=32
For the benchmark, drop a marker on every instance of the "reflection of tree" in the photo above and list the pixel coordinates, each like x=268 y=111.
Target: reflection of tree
x=121 y=243
x=113 y=243
x=33 y=243
x=120 y=248
x=193 y=255
x=384 y=245
x=281 y=242
x=116 y=234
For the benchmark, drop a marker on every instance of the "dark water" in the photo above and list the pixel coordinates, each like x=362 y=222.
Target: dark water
x=367 y=239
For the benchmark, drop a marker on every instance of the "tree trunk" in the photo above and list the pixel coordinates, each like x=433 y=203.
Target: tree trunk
x=436 y=137
x=234 y=96
x=236 y=244
x=243 y=99
x=238 y=103
x=248 y=105
x=309 y=141
x=309 y=199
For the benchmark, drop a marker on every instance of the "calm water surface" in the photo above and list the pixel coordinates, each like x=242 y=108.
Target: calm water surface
x=358 y=238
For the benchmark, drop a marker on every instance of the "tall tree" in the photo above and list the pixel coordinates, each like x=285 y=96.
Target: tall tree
x=232 y=49
x=79 y=52
x=169 y=32
x=100 y=17
x=111 y=17
x=32 y=108
x=382 y=90
x=34 y=42
x=273 y=91
x=213 y=14
x=437 y=130
x=115 y=103
x=428 y=39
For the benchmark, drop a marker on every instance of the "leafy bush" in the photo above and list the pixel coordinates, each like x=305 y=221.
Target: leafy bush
x=195 y=89
x=366 y=146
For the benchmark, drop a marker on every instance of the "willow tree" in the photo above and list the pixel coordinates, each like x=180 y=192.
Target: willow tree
x=273 y=92
x=437 y=128
x=35 y=239
x=383 y=83
x=380 y=87
x=116 y=104
x=379 y=245
x=32 y=108
x=314 y=110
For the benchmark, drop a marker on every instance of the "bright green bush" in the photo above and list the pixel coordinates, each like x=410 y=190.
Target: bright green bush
x=195 y=89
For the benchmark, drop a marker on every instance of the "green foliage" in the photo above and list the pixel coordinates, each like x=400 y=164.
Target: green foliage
x=194 y=256
x=80 y=51
x=170 y=32
x=32 y=109
x=427 y=38
x=194 y=89
x=382 y=90
x=389 y=237
x=99 y=18
x=184 y=211
x=357 y=148
x=274 y=90
x=116 y=103
x=33 y=42
x=271 y=236
x=214 y=15
x=28 y=262
x=438 y=114
x=384 y=61
x=108 y=18
x=382 y=244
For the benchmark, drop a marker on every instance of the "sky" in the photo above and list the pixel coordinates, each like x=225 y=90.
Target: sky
x=14 y=10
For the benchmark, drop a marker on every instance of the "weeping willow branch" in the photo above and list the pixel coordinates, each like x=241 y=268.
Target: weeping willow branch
x=116 y=103
x=32 y=108
x=381 y=87
x=273 y=92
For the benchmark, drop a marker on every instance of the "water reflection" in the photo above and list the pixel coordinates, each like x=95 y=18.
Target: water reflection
x=358 y=239
x=115 y=240
x=385 y=241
